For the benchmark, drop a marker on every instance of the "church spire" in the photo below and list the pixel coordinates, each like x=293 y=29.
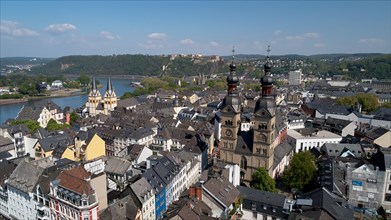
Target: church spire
x=109 y=86
x=267 y=80
x=93 y=84
x=232 y=98
x=266 y=101
x=232 y=79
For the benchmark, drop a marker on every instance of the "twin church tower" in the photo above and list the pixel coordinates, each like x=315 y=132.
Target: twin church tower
x=254 y=148
x=96 y=105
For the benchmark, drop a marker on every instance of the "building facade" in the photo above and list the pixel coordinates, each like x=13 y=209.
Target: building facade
x=96 y=105
x=253 y=148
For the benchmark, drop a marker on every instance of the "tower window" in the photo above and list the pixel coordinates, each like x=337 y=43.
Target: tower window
x=243 y=163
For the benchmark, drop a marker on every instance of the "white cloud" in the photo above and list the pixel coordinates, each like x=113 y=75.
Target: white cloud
x=309 y=35
x=319 y=45
x=370 y=41
x=277 y=32
x=13 y=29
x=187 y=41
x=157 y=36
x=60 y=28
x=109 y=36
x=214 y=44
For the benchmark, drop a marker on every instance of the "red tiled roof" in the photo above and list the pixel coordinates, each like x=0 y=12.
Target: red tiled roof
x=75 y=180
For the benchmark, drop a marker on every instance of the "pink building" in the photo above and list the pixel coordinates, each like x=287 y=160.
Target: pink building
x=72 y=196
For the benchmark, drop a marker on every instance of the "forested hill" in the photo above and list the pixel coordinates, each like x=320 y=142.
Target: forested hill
x=130 y=65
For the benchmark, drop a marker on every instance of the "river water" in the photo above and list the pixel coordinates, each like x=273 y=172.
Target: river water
x=120 y=87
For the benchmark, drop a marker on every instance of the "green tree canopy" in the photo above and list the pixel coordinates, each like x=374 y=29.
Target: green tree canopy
x=262 y=181
x=301 y=170
x=54 y=126
x=84 y=79
x=74 y=117
x=369 y=102
x=33 y=126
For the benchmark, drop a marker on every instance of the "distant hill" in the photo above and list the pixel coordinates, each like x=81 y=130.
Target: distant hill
x=23 y=61
x=337 y=56
x=129 y=65
x=354 y=66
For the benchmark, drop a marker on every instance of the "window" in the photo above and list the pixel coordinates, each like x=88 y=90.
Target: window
x=389 y=187
x=388 y=197
x=255 y=215
x=264 y=151
x=243 y=163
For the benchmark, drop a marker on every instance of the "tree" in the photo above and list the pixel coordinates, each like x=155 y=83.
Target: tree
x=74 y=117
x=53 y=126
x=301 y=170
x=262 y=181
x=33 y=126
x=84 y=79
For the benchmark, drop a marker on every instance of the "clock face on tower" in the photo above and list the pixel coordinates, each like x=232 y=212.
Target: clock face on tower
x=228 y=133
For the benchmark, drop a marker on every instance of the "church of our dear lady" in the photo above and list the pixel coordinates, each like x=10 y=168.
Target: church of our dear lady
x=251 y=148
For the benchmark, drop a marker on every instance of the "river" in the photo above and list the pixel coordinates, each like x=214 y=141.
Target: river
x=120 y=87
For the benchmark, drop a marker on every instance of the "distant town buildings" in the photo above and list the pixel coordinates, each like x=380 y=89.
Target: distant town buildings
x=295 y=77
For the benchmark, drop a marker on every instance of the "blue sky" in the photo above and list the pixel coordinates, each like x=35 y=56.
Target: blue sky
x=59 y=28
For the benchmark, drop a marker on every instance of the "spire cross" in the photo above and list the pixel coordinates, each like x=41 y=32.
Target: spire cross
x=268 y=50
x=233 y=53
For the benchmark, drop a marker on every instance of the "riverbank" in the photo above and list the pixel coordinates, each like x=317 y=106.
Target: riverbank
x=52 y=94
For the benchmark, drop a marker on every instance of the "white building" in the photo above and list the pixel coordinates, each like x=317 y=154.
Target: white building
x=295 y=77
x=20 y=189
x=145 y=194
x=305 y=142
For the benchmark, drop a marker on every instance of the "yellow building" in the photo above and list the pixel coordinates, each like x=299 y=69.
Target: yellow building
x=88 y=146
x=46 y=146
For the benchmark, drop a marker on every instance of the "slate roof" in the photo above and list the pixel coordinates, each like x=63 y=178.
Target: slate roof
x=52 y=142
x=325 y=201
x=120 y=209
x=45 y=179
x=127 y=102
x=269 y=203
x=7 y=167
x=376 y=132
x=335 y=150
x=117 y=166
x=6 y=144
x=154 y=180
x=382 y=114
x=142 y=190
x=223 y=190
x=280 y=151
x=13 y=129
x=25 y=176
x=134 y=151
x=189 y=208
x=244 y=144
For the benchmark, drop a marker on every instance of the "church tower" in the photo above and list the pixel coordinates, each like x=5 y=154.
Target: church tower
x=231 y=109
x=109 y=98
x=264 y=121
x=94 y=99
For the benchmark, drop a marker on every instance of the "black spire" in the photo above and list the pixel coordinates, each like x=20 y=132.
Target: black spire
x=266 y=101
x=232 y=98
x=232 y=79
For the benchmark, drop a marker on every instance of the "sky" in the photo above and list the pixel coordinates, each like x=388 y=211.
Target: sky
x=60 y=28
